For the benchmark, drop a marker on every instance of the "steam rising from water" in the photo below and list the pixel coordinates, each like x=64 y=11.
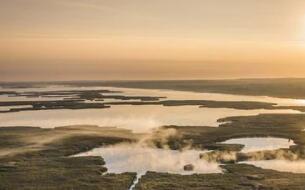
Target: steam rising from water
x=144 y=156
x=261 y=143
x=256 y=149
x=141 y=158
x=137 y=118
x=187 y=95
x=280 y=165
x=138 y=158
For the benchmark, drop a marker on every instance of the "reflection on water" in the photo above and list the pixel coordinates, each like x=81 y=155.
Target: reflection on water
x=137 y=118
x=6 y=98
x=170 y=94
x=51 y=88
x=258 y=144
x=137 y=158
x=185 y=95
x=7 y=108
x=280 y=165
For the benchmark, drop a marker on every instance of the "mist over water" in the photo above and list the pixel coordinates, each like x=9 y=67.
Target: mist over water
x=144 y=156
x=137 y=118
x=169 y=94
x=259 y=144
x=7 y=108
x=187 y=95
x=140 y=158
x=280 y=165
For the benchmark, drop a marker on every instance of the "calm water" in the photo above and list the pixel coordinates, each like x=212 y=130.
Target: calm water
x=7 y=108
x=122 y=158
x=258 y=144
x=281 y=165
x=139 y=158
x=170 y=94
x=137 y=118
x=184 y=95
x=140 y=118
x=5 y=98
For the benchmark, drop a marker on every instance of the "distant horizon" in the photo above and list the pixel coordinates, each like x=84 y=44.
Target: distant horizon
x=151 y=40
x=152 y=94
x=147 y=80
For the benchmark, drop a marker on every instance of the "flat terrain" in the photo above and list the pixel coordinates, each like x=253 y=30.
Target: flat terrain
x=35 y=157
x=284 y=88
x=278 y=87
x=99 y=99
x=236 y=177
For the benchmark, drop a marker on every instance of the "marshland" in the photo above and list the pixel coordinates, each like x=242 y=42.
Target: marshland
x=93 y=135
x=152 y=95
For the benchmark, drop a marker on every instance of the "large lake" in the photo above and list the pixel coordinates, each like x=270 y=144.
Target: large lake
x=143 y=118
x=139 y=118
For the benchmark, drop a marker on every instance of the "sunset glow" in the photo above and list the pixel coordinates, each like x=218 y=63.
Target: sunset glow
x=115 y=39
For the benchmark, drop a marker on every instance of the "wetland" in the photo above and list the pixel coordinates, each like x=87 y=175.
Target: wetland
x=102 y=136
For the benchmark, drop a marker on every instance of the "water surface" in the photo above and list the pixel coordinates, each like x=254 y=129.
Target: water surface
x=280 y=165
x=138 y=158
x=261 y=143
x=186 y=95
x=141 y=118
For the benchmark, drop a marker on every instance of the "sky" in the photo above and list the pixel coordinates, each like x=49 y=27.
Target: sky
x=151 y=40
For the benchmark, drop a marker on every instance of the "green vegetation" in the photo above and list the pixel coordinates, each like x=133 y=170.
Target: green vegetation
x=242 y=105
x=235 y=177
x=246 y=105
x=288 y=126
x=51 y=105
x=75 y=99
x=80 y=104
x=79 y=95
x=36 y=158
x=61 y=173
x=71 y=100
x=278 y=87
x=284 y=88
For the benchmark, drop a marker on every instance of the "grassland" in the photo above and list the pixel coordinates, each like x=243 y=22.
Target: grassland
x=35 y=158
x=68 y=99
x=235 y=177
x=75 y=99
x=76 y=103
x=284 y=88
x=288 y=126
x=277 y=87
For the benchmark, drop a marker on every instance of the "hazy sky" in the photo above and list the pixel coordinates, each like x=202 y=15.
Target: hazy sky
x=151 y=39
